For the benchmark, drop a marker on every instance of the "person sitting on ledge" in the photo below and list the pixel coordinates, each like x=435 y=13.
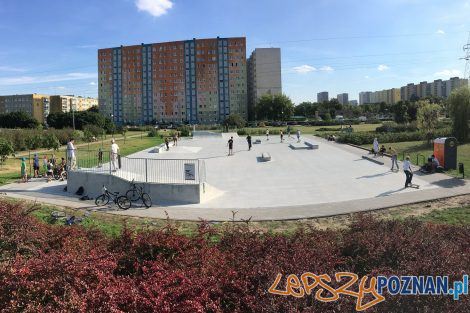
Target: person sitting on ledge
x=382 y=150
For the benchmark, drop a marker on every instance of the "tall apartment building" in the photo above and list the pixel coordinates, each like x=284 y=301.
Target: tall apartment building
x=322 y=96
x=364 y=97
x=264 y=75
x=195 y=81
x=343 y=98
x=36 y=105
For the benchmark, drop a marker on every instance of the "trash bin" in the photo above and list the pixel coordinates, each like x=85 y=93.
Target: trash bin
x=445 y=150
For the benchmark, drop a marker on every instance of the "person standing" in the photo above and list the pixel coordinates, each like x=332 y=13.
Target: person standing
x=375 y=146
x=24 y=174
x=408 y=171
x=100 y=157
x=267 y=134
x=36 y=166
x=53 y=160
x=394 y=155
x=282 y=137
x=71 y=160
x=230 y=146
x=114 y=155
x=248 y=139
x=50 y=171
x=298 y=135
x=288 y=131
x=175 y=140
x=167 y=144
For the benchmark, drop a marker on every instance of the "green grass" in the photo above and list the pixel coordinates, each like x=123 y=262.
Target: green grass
x=309 y=129
x=419 y=148
x=86 y=155
x=453 y=216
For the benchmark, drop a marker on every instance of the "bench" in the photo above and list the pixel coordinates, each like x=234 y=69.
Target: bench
x=265 y=157
x=311 y=145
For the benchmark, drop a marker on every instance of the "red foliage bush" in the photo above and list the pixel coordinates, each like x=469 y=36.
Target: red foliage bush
x=69 y=269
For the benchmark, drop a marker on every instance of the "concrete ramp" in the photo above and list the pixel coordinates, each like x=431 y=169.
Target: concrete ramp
x=201 y=134
x=228 y=135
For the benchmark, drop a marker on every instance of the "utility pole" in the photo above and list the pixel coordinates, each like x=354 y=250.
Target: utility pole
x=466 y=49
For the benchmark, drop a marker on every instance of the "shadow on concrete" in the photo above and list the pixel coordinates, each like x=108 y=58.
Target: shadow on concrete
x=390 y=192
x=450 y=183
x=375 y=175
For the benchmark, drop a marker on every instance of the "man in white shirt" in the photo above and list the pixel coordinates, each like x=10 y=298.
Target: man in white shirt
x=376 y=146
x=408 y=171
x=71 y=160
x=114 y=155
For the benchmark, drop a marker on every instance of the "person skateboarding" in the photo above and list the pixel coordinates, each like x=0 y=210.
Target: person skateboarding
x=408 y=172
x=248 y=139
x=230 y=146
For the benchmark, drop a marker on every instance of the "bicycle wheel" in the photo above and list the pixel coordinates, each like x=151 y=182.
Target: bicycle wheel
x=102 y=200
x=132 y=195
x=146 y=200
x=123 y=202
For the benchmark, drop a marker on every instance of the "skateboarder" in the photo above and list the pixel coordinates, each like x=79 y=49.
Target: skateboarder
x=298 y=135
x=248 y=139
x=267 y=134
x=282 y=136
x=230 y=146
x=408 y=172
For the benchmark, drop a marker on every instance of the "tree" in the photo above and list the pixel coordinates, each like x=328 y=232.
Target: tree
x=277 y=107
x=399 y=110
x=234 y=120
x=6 y=148
x=18 y=120
x=427 y=118
x=459 y=109
x=50 y=141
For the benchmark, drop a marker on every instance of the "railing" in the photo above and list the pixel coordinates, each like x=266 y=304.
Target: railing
x=171 y=171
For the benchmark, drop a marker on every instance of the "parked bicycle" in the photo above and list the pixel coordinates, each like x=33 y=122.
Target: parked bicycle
x=136 y=193
x=122 y=201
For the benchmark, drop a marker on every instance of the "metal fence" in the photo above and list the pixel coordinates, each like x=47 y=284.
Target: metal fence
x=172 y=171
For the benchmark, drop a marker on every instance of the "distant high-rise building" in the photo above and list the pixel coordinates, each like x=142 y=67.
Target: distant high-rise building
x=36 y=105
x=194 y=81
x=264 y=75
x=364 y=97
x=69 y=103
x=353 y=102
x=342 y=98
x=322 y=96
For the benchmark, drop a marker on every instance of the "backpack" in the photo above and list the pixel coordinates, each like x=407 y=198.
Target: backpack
x=80 y=191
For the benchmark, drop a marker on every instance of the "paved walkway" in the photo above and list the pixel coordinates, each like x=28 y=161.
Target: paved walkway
x=297 y=184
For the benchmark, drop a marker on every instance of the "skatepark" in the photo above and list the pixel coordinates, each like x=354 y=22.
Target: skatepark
x=297 y=181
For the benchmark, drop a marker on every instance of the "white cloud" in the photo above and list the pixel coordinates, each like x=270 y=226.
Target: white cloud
x=154 y=7
x=92 y=83
x=326 y=68
x=23 y=80
x=11 y=69
x=448 y=73
x=304 y=69
x=60 y=88
x=366 y=77
x=440 y=32
x=382 y=68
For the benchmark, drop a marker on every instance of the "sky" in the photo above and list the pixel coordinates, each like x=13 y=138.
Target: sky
x=50 y=46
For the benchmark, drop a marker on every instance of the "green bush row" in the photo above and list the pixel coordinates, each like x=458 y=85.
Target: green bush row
x=24 y=139
x=362 y=138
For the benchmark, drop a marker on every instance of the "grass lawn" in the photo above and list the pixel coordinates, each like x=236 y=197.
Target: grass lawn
x=86 y=154
x=454 y=216
x=308 y=129
x=418 y=148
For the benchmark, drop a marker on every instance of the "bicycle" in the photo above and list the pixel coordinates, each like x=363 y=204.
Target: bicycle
x=137 y=193
x=122 y=201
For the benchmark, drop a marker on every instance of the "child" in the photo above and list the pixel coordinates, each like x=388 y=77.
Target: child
x=50 y=171
x=24 y=174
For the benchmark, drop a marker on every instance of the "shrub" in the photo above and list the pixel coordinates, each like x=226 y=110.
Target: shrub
x=153 y=133
x=185 y=131
x=393 y=127
x=6 y=148
x=61 y=268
